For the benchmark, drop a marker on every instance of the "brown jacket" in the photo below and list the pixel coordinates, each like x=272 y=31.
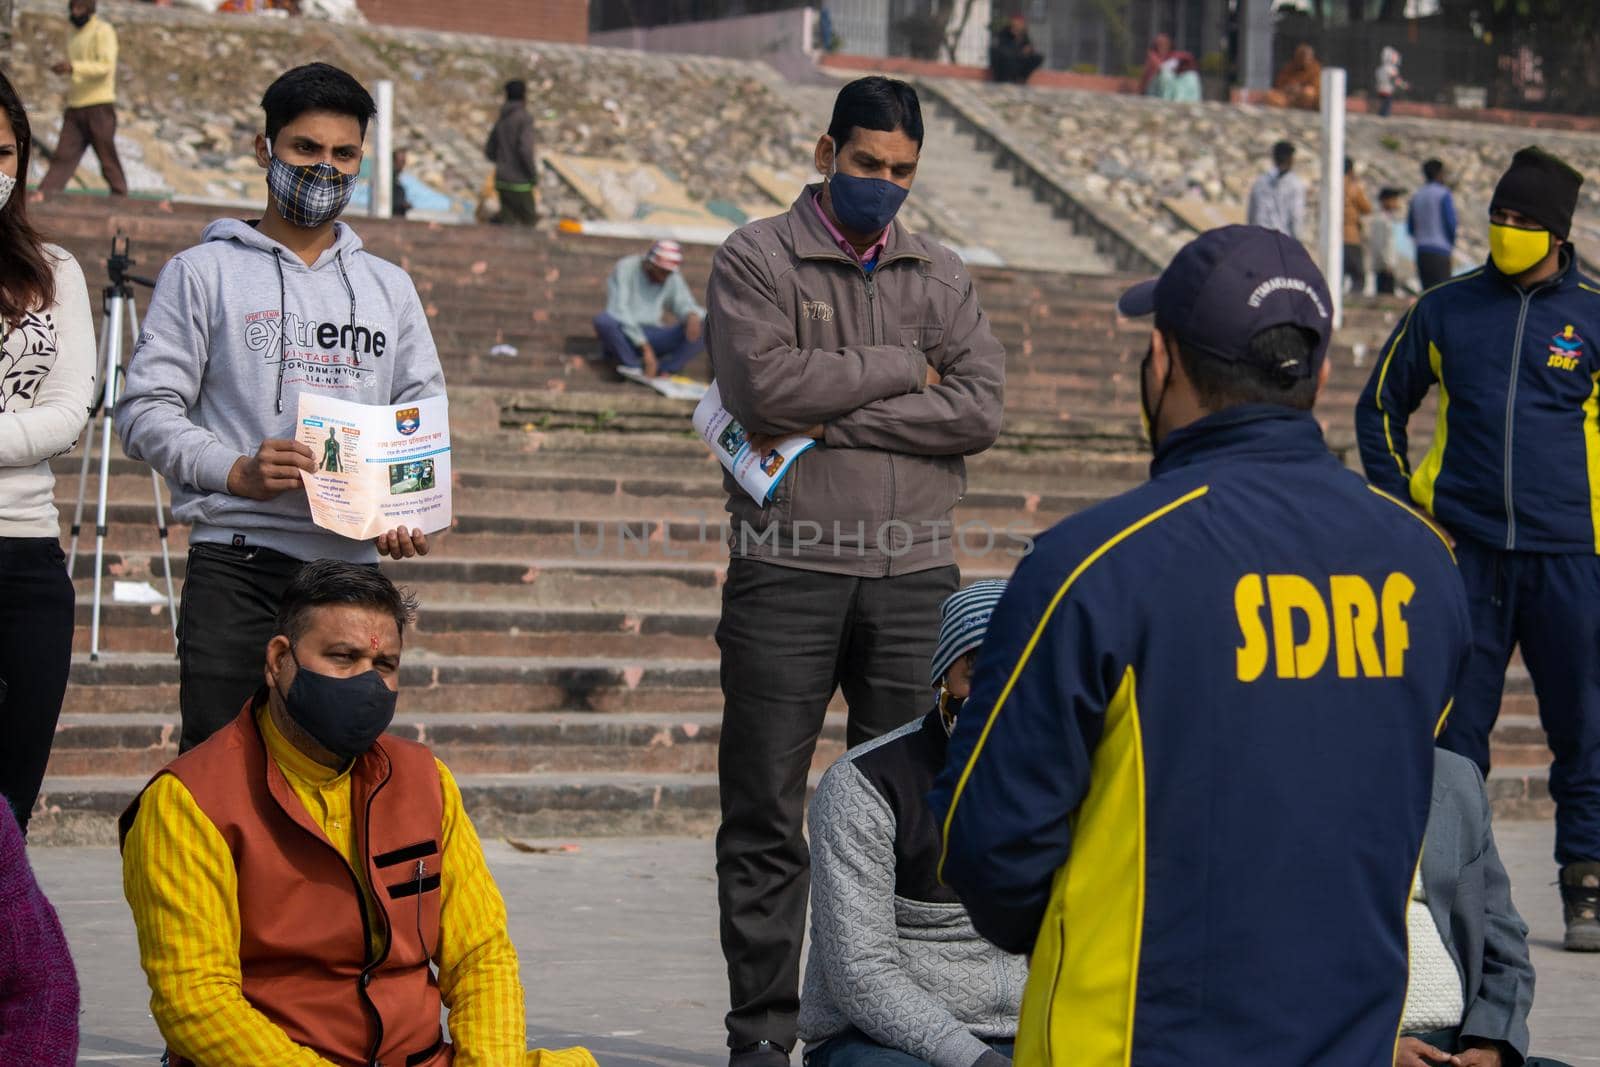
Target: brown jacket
x=799 y=335
x=1356 y=208
x=303 y=952
x=510 y=147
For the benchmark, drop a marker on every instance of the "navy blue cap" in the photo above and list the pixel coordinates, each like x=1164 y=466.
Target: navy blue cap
x=1231 y=283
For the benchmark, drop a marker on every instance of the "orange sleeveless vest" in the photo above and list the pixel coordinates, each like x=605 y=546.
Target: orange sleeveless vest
x=304 y=949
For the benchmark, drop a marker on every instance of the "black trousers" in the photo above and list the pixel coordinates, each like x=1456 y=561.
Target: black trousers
x=517 y=207
x=37 y=605
x=1549 y=606
x=1433 y=268
x=81 y=128
x=230 y=604
x=789 y=638
x=1355 y=267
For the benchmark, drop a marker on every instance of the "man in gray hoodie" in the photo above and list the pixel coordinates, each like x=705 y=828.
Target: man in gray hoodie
x=238 y=327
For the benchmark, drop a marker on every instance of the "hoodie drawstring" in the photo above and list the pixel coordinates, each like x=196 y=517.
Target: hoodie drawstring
x=355 y=346
x=283 y=325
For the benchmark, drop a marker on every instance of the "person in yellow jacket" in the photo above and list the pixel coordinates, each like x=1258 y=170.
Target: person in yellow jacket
x=308 y=889
x=91 y=115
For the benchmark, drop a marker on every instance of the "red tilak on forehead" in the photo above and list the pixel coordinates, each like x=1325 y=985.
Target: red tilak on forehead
x=374 y=639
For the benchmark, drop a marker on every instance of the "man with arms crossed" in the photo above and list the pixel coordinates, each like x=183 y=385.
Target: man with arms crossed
x=834 y=321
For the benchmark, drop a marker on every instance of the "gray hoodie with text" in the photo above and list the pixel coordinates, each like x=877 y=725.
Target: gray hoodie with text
x=237 y=329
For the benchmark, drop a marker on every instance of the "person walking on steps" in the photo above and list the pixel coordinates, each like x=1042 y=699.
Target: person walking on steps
x=510 y=149
x=91 y=116
x=1513 y=474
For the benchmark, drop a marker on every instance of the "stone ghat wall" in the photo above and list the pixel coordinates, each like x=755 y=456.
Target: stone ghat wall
x=1133 y=153
x=189 y=89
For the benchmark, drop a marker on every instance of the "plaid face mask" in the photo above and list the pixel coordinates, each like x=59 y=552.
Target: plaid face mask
x=309 y=196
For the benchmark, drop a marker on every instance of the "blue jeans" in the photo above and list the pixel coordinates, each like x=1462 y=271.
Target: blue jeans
x=855 y=1049
x=673 y=349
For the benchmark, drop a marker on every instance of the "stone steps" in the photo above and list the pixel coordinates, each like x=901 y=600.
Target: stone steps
x=470 y=743
x=82 y=809
x=573 y=686
x=1023 y=231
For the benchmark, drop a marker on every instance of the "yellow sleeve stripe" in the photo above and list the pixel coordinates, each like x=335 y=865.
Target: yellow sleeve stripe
x=1383 y=373
x=1420 y=517
x=1033 y=641
x=1589 y=289
x=1444 y=717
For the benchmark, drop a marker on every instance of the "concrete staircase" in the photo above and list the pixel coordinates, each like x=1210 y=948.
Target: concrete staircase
x=563 y=661
x=986 y=206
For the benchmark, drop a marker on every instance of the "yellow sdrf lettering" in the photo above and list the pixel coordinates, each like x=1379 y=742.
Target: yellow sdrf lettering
x=1288 y=594
x=1563 y=362
x=1348 y=620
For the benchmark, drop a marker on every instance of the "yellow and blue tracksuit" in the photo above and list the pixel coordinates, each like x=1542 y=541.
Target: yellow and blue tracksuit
x=1513 y=472
x=1193 y=774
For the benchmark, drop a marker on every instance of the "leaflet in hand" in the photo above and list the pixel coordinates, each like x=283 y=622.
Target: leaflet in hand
x=378 y=466
x=755 y=473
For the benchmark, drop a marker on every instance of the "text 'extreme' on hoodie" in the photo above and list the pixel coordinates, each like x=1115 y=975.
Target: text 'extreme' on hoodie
x=238 y=327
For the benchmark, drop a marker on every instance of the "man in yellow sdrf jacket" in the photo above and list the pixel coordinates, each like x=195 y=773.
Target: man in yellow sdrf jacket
x=91 y=115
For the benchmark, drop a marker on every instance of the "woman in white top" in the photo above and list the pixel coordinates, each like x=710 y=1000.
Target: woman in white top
x=47 y=358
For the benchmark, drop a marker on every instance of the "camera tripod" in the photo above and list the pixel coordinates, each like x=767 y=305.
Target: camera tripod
x=120 y=309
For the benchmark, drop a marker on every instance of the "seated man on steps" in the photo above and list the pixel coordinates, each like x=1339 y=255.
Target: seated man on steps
x=639 y=290
x=296 y=878
x=898 y=976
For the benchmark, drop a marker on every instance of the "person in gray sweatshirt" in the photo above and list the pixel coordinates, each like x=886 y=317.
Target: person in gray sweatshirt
x=238 y=327
x=898 y=976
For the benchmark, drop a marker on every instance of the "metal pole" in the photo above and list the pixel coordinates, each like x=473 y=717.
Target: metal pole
x=113 y=355
x=383 y=149
x=1333 y=81
x=88 y=444
x=161 y=513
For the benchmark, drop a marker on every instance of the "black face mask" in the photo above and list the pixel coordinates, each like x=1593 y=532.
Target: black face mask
x=80 y=21
x=343 y=715
x=1150 y=415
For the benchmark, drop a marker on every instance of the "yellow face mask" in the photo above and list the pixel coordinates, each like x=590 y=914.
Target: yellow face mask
x=1515 y=250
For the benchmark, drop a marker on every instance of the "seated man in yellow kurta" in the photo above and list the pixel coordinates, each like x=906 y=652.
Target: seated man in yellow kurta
x=293 y=878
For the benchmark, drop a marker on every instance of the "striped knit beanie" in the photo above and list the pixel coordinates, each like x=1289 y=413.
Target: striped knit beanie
x=668 y=255
x=966 y=619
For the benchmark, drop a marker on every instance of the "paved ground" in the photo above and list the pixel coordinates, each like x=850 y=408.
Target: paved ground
x=619 y=950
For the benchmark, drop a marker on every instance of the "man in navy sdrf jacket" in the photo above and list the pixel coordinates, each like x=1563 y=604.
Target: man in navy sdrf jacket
x=1193 y=773
x=1513 y=473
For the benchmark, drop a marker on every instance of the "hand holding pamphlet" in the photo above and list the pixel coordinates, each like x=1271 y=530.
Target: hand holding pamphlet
x=378 y=466
x=756 y=473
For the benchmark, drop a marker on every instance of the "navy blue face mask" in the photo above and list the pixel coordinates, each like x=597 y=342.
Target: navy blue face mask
x=864 y=206
x=343 y=715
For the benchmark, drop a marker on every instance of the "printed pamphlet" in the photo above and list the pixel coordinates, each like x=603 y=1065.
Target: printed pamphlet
x=378 y=466
x=756 y=473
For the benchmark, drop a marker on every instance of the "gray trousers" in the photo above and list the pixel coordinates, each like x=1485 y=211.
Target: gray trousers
x=789 y=638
